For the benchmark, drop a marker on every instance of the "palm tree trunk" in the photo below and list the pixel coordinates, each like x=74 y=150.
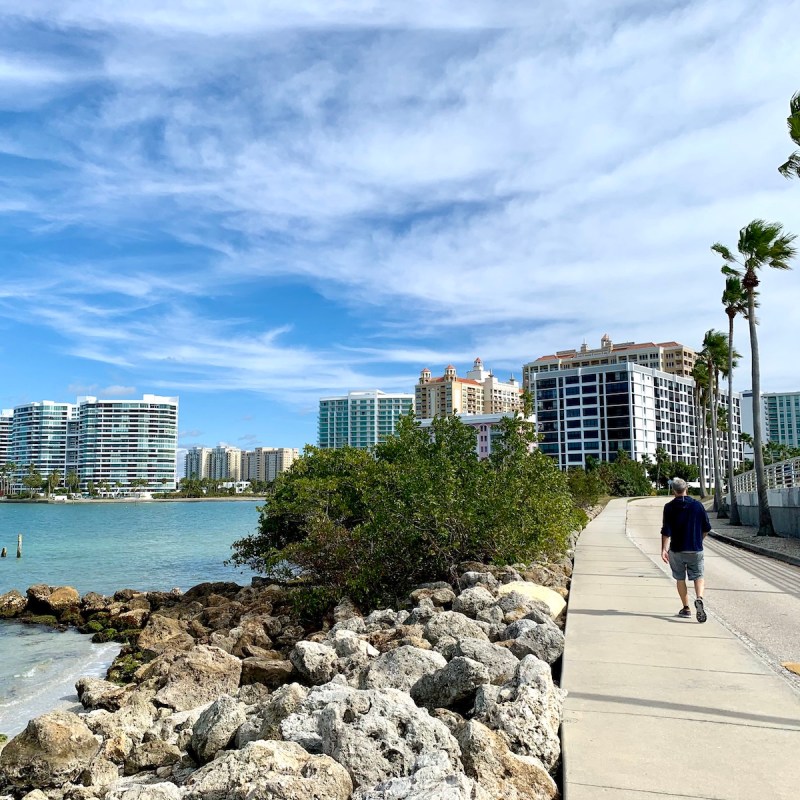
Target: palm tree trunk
x=701 y=450
x=764 y=517
x=702 y=447
x=715 y=438
x=704 y=430
x=734 y=506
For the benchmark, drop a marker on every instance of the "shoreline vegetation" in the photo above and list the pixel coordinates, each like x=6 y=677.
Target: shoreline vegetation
x=413 y=646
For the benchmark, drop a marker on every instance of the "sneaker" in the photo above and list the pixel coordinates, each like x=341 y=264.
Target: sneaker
x=684 y=612
x=701 y=612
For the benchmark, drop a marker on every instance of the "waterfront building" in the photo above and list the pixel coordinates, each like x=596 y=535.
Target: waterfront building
x=486 y=429
x=670 y=357
x=266 y=463
x=128 y=445
x=6 y=419
x=225 y=463
x=40 y=433
x=360 y=419
x=197 y=462
x=595 y=411
x=780 y=418
x=480 y=392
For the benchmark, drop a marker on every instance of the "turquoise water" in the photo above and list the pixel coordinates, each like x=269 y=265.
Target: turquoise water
x=100 y=547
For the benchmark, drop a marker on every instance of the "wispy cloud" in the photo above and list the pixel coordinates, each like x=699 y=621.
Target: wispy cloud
x=452 y=179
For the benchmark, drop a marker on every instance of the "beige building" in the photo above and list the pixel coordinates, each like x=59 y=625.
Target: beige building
x=225 y=463
x=670 y=357
x=266 y=463
x=480 y=392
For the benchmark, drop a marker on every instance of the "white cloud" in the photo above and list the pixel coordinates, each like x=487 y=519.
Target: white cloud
x=481 y=178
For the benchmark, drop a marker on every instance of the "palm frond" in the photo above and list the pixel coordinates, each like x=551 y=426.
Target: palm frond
x=791 y=169
x=793 y=120
x=726 y=254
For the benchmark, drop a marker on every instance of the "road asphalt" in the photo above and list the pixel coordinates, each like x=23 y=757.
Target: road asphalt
x=661 y=706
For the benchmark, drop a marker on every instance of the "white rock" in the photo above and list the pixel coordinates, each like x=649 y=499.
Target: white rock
x=554 y=600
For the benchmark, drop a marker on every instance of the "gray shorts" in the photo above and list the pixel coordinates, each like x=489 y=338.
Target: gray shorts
x=686 y=563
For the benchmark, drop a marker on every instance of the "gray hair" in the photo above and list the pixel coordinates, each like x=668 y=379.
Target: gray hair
x=679 y=485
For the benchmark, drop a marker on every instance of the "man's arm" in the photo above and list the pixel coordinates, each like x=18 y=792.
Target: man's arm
x=666 y=535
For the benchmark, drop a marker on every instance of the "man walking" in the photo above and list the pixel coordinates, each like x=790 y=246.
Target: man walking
x=685 y=525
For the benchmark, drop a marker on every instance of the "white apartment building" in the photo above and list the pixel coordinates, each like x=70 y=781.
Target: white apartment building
x=225 y=463
x=670 y=357
x=197 y=462
x=266 y=463
x=480 y=392
x=360 y=419
x=598 y=410
x=780 y=418
x=6 y=419
x=115 y=442
x=486 y=429
x=127 y=444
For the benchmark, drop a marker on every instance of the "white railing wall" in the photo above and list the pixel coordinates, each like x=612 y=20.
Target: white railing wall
x=783 y=475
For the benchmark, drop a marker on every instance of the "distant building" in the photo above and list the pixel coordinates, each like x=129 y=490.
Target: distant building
x=486 y=428
x=595 y=411
x=780 y=418
x=6 y=419
x=225 y=463
x=266 y=463
x=197 y=462
x=114 y=442
x=360 y=419
x=670 y=357
x=480 y=392
x=128 y=444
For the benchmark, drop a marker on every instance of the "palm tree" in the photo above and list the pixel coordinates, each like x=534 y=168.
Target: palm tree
x=761 y=244
x=791 y=169
x=735 y=301
x=714 y=355
x=700 y=375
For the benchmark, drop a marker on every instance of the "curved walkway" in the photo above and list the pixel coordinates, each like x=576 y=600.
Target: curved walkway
x=661 y=706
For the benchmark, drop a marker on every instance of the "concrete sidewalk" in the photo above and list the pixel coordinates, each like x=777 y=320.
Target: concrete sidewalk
x=659 y=705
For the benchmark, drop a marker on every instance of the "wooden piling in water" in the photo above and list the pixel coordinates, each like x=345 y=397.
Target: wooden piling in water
x=19 y=546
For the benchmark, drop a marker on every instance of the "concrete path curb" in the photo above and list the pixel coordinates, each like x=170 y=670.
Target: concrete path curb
x=754 y=548
x=660 y=706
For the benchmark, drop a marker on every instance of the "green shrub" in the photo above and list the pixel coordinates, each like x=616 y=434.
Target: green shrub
x=586 y=487
x=373 y=525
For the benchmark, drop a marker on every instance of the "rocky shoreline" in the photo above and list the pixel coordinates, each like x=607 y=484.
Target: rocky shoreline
x=222 y=692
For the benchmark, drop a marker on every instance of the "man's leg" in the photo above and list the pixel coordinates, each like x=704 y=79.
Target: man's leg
x=699 y=586
x=683 y=591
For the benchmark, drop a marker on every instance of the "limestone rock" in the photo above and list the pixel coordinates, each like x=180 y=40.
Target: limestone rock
x=527 y=710
x=345 y=610
x=100 y=773
x=382 y=618
x=53 y=749
x=150 y=755
x=186 y=679
x=545 y=640
x=94 y=603
x=503 y=774
x=375 y=734
x=533 y=591
x=132 y=618
x=96 y=693
x=450 y=685
x=500 y=662
x=516 y=606
x=164 y=633
x=269 y=769
x=473 y=600
x=149 y=791
x=250 y=632
x=478 y=578
x=12 y=604
x=454 y=625
x=216 y=727
x=134 y=719
x=347 y=643
x=401 y=668
x=439 y=593
x=433 y=778
x=281 y=704
x=267 y=671
x=314 y=661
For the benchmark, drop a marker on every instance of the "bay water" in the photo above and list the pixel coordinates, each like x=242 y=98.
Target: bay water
x=100 y=547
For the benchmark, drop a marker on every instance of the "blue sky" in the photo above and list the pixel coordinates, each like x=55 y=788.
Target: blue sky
x=256 y=204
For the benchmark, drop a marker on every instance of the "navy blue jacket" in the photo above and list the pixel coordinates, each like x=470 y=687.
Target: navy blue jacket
x=685 y=521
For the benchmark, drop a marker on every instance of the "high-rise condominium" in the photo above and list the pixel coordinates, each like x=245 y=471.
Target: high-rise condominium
x=124 y=444
x=480 y=392
x=780 y=418
x=360 y=419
